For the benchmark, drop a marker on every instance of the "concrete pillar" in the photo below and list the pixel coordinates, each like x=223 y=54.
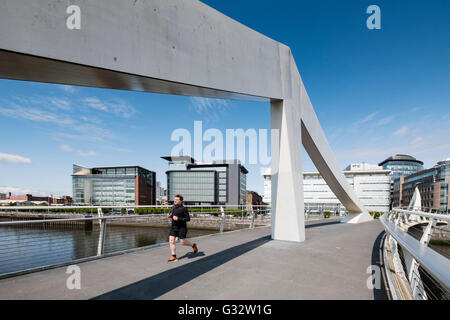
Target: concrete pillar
x=288 y=220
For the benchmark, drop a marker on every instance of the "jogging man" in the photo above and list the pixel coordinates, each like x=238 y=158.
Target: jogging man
x=179 y=216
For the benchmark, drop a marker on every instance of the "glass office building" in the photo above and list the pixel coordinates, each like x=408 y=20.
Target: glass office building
x=194 y=186
x=401 y=165
x=130 y=185
x=220 y=182
x=433 y=185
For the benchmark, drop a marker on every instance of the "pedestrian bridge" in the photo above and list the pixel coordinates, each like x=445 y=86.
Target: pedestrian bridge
x=243 y=264
x=185 y=48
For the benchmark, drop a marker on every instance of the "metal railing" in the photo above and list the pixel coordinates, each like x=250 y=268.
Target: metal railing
x=40 y=238
x=425 y=271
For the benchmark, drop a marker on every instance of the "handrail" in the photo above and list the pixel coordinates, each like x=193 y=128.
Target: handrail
x=123 y=206
x=437 y=265
x=3 y=223
x=437 y=216
x=79 y=219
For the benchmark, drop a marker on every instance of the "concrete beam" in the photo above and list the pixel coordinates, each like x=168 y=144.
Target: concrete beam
x=180 y=41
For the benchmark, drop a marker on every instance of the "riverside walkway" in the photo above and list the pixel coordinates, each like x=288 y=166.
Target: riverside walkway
x=245 y=264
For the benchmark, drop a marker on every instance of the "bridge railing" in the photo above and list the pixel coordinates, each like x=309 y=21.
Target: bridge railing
x=34 y=238
x=422 y=272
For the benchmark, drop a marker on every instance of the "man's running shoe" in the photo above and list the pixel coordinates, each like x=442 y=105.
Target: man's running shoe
x=194 y=247
x=173 y=258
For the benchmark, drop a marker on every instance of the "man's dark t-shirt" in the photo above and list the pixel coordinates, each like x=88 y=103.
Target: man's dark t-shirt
x=183 y=215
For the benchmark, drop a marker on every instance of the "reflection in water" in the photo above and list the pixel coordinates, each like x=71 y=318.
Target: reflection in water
x=26 y=248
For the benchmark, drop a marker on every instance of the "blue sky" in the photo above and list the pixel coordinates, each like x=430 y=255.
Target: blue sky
x=376 y=93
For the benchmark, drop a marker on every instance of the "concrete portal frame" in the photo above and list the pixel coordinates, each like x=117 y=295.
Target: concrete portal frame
x=181 y=47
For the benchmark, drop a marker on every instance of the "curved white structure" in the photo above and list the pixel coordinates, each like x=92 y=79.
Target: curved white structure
x=178 y=47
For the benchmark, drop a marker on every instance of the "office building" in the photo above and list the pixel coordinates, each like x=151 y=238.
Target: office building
x=126 y=185
x=254 y=198
x=433 y=185
x=2 y=196
x=401 y=165
x=161 y=194
x=30 y=197
x=370 y=182
x=64 y=200
x=267 y=186
x=219 y=182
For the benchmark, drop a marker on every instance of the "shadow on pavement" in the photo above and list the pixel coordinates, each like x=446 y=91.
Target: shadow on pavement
x=191 y=255
x=378 y=294
x=161 y=283
x=321 y=224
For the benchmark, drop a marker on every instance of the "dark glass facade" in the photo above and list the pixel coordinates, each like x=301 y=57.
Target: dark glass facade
x=212 y=183
x=401 y=166
x=195 y=186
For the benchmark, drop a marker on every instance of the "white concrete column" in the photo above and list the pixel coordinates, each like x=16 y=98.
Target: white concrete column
x=288 y=220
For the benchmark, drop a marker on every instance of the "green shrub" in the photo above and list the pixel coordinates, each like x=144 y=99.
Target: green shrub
x=375 y=214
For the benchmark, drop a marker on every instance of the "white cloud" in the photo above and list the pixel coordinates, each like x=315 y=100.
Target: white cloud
x=15 y=190
x=55 y=110
x=91 y=119
x=48 y=102
x=13 y=158
x=402 y=131
x=385 y=120
x=87 y=132
x=119 y=108
x=67 y=148
x=118 y=149
x=417 y=140
x=86 y=154
x=95 y=103
x=60 y=103
x=212 y=109
x=95 y=131
x=367 y=118
x=33 y=114
x=67 y=88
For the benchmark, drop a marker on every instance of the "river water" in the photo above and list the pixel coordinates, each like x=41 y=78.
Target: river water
x=417 y=232
x=26 y=248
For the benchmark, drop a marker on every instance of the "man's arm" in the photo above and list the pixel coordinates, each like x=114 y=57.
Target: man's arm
x=186 y=217
x=170 y=215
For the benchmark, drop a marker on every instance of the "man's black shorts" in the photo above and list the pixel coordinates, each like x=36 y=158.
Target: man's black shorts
x=178 y=231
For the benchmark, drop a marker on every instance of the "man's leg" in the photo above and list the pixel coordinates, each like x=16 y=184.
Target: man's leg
x=172 y=245
x=185 y=242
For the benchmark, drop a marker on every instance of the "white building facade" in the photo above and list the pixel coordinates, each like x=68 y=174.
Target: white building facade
x=267 y=186
x=370 y=182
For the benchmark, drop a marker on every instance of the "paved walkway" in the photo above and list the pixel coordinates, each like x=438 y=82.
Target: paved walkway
x=246 y=264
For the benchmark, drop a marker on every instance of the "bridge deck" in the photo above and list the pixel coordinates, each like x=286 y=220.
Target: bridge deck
x=244 y=264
